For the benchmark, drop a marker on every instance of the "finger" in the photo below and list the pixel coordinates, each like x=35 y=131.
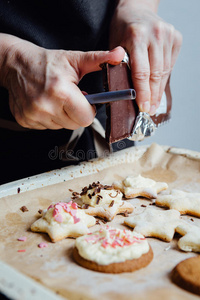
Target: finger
x=176 y=47
x=156 y=72
x=140 y=70
x=77 y=108
x=167 y=52
x=91 y=61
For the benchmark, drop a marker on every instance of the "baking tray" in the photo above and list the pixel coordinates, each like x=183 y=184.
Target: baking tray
x=17 y=281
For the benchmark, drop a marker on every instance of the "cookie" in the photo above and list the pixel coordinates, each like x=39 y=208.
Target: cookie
x=63 y=220
x=155 y=223
x=112 y=250
x=191 y=237
x=184 y=202
x=187 y=275
x=102 y=201
x=138 y=186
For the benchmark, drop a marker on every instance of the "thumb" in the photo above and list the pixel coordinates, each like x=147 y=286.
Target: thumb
x=91 y=61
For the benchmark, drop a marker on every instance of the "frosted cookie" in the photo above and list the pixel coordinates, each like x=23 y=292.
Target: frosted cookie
x=184 y=202
x=186 y=274
x=155 y=223
x=112 y=250
x=191 y=236
x=102 y=201
x=63 y=220
x=138 y=186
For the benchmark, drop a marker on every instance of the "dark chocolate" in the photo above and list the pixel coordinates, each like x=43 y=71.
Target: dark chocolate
x=120 y=114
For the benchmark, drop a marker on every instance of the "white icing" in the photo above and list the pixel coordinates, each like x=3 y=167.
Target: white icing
x=67 y=219
x=90 y=246
x=138 y=182
x=107 y=196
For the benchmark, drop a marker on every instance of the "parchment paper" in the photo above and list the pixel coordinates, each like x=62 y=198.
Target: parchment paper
x=54 y=267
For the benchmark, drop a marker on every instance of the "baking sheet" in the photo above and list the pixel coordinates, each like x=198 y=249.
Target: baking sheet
x=54 y=268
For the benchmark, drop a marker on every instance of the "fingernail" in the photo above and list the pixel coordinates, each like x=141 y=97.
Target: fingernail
x=152 y=110
x=145 y=107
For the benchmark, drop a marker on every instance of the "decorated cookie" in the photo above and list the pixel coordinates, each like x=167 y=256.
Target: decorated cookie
x=138 y=186
x=155 y=223
x=112 y=250
x=186 y=274
x=102 y=201
x=184 y=202
x=191 y=236
x=63 y=220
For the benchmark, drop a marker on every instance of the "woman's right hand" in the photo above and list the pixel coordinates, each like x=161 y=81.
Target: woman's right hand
x=42 y=84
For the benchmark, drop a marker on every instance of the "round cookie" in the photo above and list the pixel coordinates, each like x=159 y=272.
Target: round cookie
x=187 y=274
x=111 y=248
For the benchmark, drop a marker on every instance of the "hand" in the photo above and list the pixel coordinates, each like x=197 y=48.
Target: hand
x=153 y=47
x=42 y=85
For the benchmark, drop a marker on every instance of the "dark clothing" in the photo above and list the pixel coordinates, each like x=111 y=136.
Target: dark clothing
x=63 y=24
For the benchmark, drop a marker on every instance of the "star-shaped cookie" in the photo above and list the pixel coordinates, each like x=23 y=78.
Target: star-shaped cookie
x=155 y=223
x=184 y=202
x=191 y=236
x=138 y=186
x=63 y=220
x=102 y=201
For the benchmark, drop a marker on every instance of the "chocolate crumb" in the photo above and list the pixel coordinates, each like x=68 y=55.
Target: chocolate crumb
x=86 y=206
x=18 y=190
x=75 y=194
x=104 y=221
x=192 y=220
x=98 y=199
x=143 y=205
x=40 y=211
x=90 y=196
x=71 y=190
x=24 y=208
x=152 y=203
x=111 y=203
x=125 y=214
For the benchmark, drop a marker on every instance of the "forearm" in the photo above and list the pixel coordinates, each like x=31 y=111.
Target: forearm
x=140 y=4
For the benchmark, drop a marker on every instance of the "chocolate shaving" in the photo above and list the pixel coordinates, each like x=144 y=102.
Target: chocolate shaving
x=90 y=196
x=24 y=208
x=192 y=220
x=97 y=222
x=84 y=191
x=153 y=203
x=111 y=203
x=71 y=190
x=125 y=214
x=104 y=221
x=98 y=199
x=75 y=194
x=75 y=198
x=40 y=211
x=86 y=206
x=117 y=192
x=142 y=205
x=18 y=190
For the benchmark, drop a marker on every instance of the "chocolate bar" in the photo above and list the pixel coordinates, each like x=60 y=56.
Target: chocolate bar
x=120 y=114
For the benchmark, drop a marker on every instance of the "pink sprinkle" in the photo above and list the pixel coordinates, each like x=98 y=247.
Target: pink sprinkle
x=23 y=250
x=59 y=218
x=50 y=206
x=43 y=245
x=76 y=220
x=74 y=205
x=22 y=239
